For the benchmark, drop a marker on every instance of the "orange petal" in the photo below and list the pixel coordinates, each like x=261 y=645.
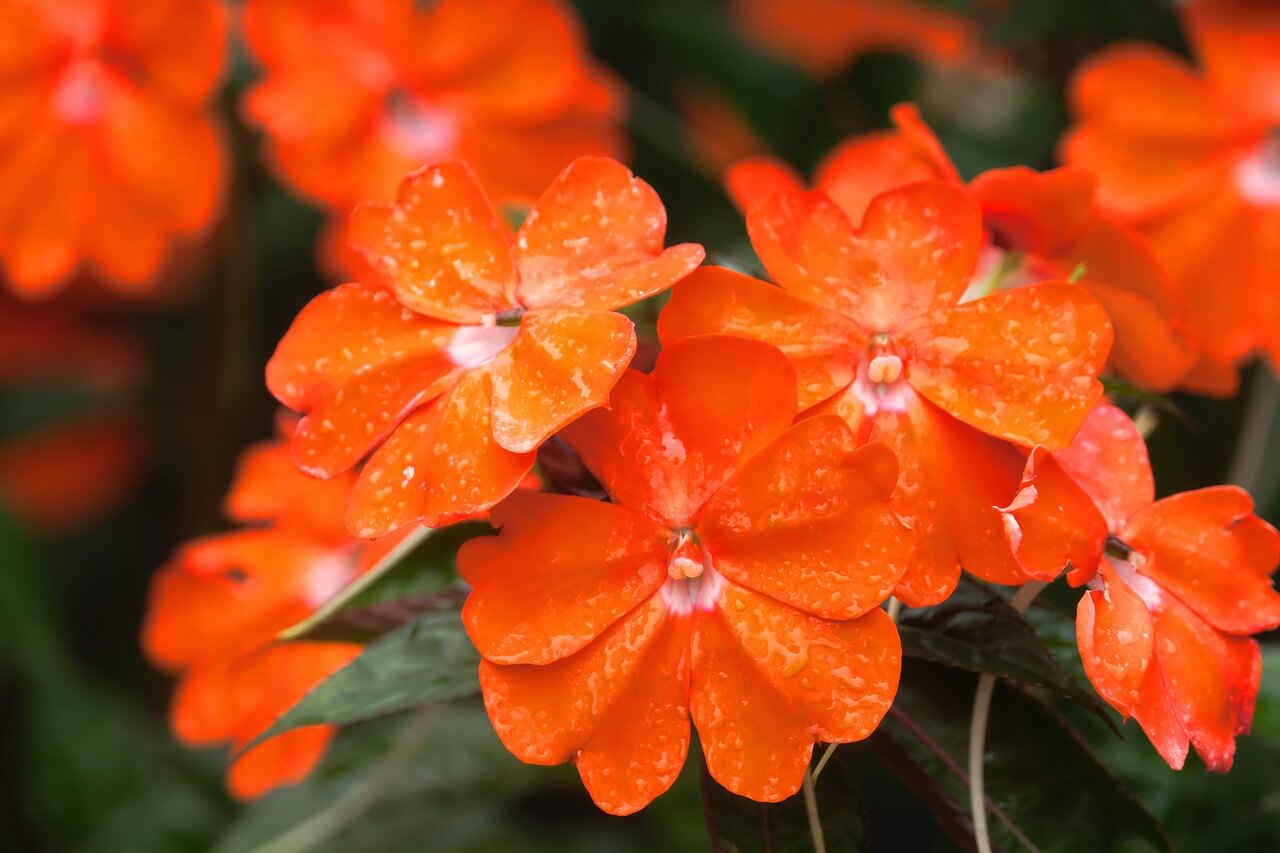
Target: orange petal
x=769 y=680
x=1117 y=642
x=357 y=362
x=1038 y=212
x=1052 y=522
x=748 y=181
x=180 y=47
x=1210 y=550
x=587 y=563
x=1108 y=459
x=279 y=676
x=670 y=439
x=861 y=168
x=1239 y=42
x=440 y=465
x=284 y=760
x=821 y=345
x=593 y=241
x=1212 y=681
x=921 y=139
x=441 y=247
x=267 y=486
x=917 y=250
x=561 y=364
x=807 y=522
x=1160 y=723
x=618 y=708
x=1020 y=364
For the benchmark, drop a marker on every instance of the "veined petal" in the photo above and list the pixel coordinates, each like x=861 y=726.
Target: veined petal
x=670 y=439
x=440 y=465
x=1020 y=364
x=561 y=364
x=586 y=563
x=821 y=345
x=441 y=247
x=1210 y=550
x=593 y=241
x=1108 y=459
x=807 y=521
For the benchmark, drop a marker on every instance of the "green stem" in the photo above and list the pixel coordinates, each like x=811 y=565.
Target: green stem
x=1259 y=427
x=811 y=809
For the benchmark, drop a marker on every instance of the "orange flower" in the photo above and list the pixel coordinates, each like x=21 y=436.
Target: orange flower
x=735 y=579
x=1164 y=628
x=873 y=324
x=479 y=347
x=1038 y=226
x=1191 y=156
x=824 y=36
x=78 y=463
x=216 y=609
x=358 y=93
x=106 y=150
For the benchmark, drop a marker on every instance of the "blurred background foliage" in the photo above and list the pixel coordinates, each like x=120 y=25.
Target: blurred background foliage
x=86 y=761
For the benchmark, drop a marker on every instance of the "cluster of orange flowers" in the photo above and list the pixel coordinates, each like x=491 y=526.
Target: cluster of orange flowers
x=915 y=392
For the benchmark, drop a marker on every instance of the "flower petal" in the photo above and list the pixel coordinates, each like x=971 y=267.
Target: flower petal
x=861 y=168
x=593 y=241
x=1038 y=212
x=769 y=680
x=441 y=247
x=1052 y=522
x=618 y=708
x=440 y=465
x=1210 y=550
x=807 y=521
x=356 y=362
x=916 y=251
x=748 y=181
x=1108 y=459
x=1020 y=364
x=285 y=759
x=670 y=439
x=1238 y=43
x=1117 y=642
x=821 y=345
x=587 y=563
x=561 y=364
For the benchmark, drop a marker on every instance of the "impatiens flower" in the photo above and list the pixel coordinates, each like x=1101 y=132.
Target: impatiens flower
x=825 y=36
x=107 y=151
x=872 y=321
x=478 y=345
x=66 y=464
x=1038 y=226
x=1190 y=154
x=216 y=609
x=734 y=580
x=1164 y=629
x=357 y=93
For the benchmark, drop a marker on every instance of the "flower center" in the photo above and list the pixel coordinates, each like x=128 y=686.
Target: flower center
x=692 y=581
x=421 y=129
x=474 y=346
x=881 y=382
x=1258 y=174
x=1125 y=562
x=80 y=95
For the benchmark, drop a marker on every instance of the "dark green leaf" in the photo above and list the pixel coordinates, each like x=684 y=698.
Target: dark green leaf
x=428 y=660
x=1042 y=781
x=977 y=630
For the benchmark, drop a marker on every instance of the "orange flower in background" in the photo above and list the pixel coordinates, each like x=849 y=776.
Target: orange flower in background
x=1191 y=156
x=480 y=345
x=872 y=322
x=107 y=151
x=824 y=36
x=358 y=93
x=735 y=580
x=1164 y=630
x=85 y=448
x=1038 y=226
x=216 y=609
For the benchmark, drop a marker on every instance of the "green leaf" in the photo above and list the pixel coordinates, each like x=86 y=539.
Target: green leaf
x=739 y=825
x=428 y=660
x=977 y=630
x=1042 y=781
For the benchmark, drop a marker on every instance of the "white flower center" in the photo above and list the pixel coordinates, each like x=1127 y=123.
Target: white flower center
x=693 y=582
x=423 y=130
x=1258 y=175
x=473 y=346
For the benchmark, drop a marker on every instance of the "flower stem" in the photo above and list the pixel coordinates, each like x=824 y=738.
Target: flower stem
x=978 y=731
x=1259 y=425
x=811 y=809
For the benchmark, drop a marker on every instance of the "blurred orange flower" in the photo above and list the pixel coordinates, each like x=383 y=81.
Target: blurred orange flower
x=216 y=609
x=824 y=36
x=734 y=579
x=107 y=152
x=479 y=346
x=871 y=319
x=1038 y=225
x=1164 y=630
x=1191 y=155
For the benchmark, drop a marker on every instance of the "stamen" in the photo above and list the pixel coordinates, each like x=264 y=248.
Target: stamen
x=885 y=369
